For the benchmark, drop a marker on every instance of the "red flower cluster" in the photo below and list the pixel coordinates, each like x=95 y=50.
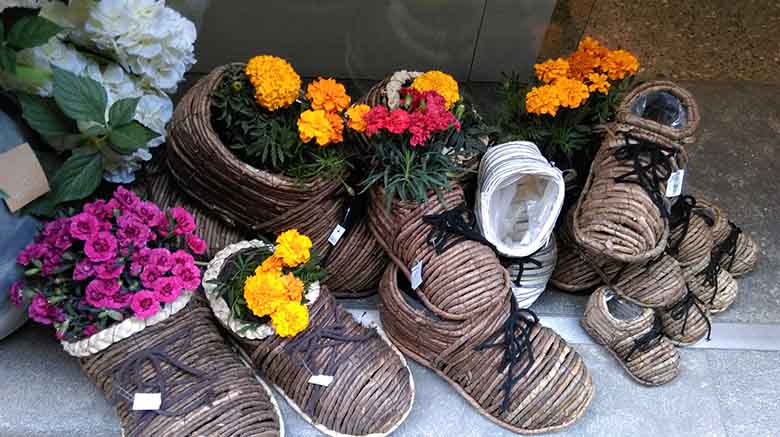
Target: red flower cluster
x=421 y=114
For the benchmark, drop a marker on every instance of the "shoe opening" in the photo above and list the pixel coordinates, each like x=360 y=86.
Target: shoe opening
x=621 y=309
x=661 y=107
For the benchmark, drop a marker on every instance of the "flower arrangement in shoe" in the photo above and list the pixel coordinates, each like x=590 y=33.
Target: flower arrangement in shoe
x=559 y=108
x=112 y=261
x=420 y=137
x=261 y=285
x=263 y=115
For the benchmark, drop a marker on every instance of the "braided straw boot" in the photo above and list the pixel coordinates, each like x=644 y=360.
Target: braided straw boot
x=205 y=388
x=462 y=321
x=344 y=378
x=633 y=335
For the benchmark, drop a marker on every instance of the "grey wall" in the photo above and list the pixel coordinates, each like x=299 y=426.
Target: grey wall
x=366 y=39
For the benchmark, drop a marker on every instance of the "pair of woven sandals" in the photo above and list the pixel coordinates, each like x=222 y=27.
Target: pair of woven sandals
x=666 y=260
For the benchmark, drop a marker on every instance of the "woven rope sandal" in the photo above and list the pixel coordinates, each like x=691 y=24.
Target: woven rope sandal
x=687 y=321
x=463 y=323
x=519 y=197
x=633 y=335
x=267 y=202
x=712 y=284
x=369 y=389
x=206 y=389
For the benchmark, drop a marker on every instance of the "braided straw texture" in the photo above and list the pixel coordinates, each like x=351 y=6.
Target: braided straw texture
x=657 y=365
x=687 y=328
x=684 y=134
x=372 y=390
x=720 y=228
x=463 y=300
x=265 y=202
x=717 y=295
x=241 y=403
x=534 y=279
x=573 y=272
x=745 y=258
x=697 y=244
x=618 y=219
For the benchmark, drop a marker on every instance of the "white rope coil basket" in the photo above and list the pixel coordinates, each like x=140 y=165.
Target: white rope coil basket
x=519 y=197
x=249 y=330
x=534 y=279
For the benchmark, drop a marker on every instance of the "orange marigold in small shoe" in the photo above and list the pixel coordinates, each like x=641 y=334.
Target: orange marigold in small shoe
x=293 y=248
x=619 y=63
x=355 y=115
x=264 y=292
x=315 y=125
x=328 y=95
x=271 y=264
x=551 y=70
x=294 y=287
x=543 y=100
x=290 y=318
x=571 y=92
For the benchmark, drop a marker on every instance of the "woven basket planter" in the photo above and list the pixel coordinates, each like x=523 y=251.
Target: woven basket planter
x=573 y=271
x=632 y=335
x=262 y=201
x=618 y=218
x=720 y=227
x=460 y=324
x=687 y=321
x=690 y=238
x=712 y=284
x=206 y=388
x=743 y=256
x=646 y=103
x=371 y=391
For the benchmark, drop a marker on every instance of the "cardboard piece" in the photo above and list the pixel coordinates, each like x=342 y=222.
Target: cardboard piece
x=21 y=177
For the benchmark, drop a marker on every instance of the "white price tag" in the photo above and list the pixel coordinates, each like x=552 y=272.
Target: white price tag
x=417 y=275
x=335 y=236
x=147 y=401
x=675 y=183
x=323 y=380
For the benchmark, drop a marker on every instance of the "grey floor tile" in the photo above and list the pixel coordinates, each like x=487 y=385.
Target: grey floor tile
x=747 y=387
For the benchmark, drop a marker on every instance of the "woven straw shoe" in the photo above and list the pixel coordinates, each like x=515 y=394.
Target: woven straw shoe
x=530 y=274
x=463 y=322
x=712 y=284
x=736 y=251
x=573 y=271
x=633 y=335
x=687 y=321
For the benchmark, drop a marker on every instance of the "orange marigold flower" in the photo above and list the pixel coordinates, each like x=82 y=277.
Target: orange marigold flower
x=543 y=100
x=264 y=292
x=337 y=123
x=598 y=82
x=275 y=81
x=442 y=83
x=294 y=287
x=355 y=114
x=271 y=264
x=552 y=69
x=593 y=48
x=314 y=125
x=581 y=64
x=290 y=318
x=328 y=95
x=571 y=92
x=620 y=63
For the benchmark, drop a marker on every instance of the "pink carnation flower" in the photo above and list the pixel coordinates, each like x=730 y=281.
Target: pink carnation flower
x=83 y=225
x=182 y=258
x=99 y=292
x=132 y=231
x=84 y=269
x=189 y=275
x=89 y=330
x=162 y=259
x=196 y=244
x=100 y=247
x=150 y=274
x=109 y=269
x=167 y=289
x=118 y=301
x=144 y=304
x=16 y=293
x=185 y=223
x=43 y=312
x=101 y=209
x=150 y=214
x=126 y=199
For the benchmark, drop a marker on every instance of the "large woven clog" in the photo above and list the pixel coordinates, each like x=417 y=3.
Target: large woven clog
x=368 y=388
x=206 y=389
x=463 y=322
x=633 y=335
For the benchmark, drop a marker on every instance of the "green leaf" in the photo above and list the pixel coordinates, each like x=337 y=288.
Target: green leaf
x=2 y=31
x=122 y=111
x=7 y=59
x=78 y=177
x=80 y=98
x=31 y=31
x=131 y=137
x=44 y=116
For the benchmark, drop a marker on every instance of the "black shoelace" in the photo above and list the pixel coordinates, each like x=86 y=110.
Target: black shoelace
x=304 y=345
x=514 y=337
x=521 y=262
x=459 y=222
x=682 y=309
x=129 y=379
x=355 y=210
x=649 y=176
x=647 y=340
x=728 y=248
x=681 y=216
x=710 y=274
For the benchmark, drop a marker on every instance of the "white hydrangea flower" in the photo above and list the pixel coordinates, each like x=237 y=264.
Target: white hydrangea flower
x=62 y=55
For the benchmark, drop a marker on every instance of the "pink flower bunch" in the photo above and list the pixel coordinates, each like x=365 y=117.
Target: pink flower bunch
x=115 y=259
x=420 y=115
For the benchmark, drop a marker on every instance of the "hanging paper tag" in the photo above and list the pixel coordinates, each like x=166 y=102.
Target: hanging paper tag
x=21 y=177
x=675 y=183
x=417 y=275
x=147 y=401
x=335 y=236
x=323 y=380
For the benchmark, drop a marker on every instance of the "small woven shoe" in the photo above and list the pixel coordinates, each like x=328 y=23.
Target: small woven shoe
x=687 y=321
x=690 y=238
x=633 y=335
x=206 y=389
x=572 y=273
x=531 y=273
x=736 y=250
x=712 y=284
x=344 y=378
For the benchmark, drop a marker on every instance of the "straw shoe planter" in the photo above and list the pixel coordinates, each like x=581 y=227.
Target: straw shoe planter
x=573 y=271
x=690 y=239
x=737 y=251
x=371 y=392
x=712 y=284
x=180 y=353
x=663 y=108
x=463 y=323
x=687 y=321
x=633 y=335
x=266 y=202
